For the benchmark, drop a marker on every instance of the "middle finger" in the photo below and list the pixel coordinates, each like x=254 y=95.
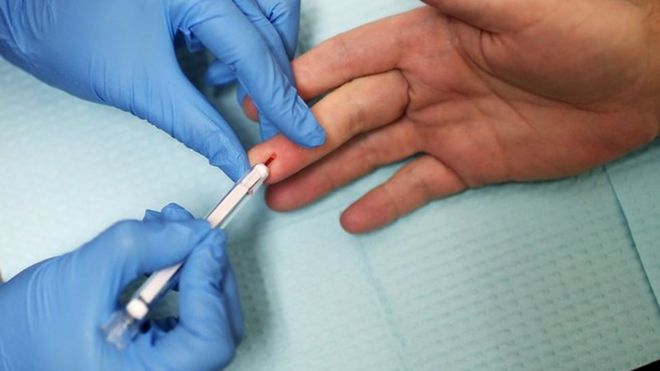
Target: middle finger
x=355 y=108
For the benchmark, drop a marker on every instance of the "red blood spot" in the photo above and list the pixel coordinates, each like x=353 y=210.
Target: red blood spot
x=270 y=159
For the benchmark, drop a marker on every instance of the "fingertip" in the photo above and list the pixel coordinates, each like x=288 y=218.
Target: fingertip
x=174 y=212
x=351 y=222
x=233 y=162
x=356 y=220
x=310 y=133
x=151 y=216
x=277 y=199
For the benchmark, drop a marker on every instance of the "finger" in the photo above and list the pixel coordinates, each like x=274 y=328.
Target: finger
x=246 y=52
x=371 y=49
x=203 y=338
x=179 y=109
x=172 y=213
x=411 y=187
x=132 y=248
x=358 y=157
x=257 y=17
x=494 y=15
x=367 y=50
x=355 y=108
x=175 y=213
x=219 y=74
x=284 y=15
x=233 y=305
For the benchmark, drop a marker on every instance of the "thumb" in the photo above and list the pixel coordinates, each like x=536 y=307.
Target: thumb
x=494 y=15
x=129 y=249
x=203 y=338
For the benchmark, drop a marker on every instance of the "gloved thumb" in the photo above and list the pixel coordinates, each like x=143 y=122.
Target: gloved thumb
x=130 y=249
x=203 y=335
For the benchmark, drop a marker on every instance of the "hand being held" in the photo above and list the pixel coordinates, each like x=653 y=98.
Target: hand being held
x=52 y=312
x=475 y=92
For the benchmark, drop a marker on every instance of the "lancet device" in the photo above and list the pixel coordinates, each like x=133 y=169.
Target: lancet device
x=124 y=324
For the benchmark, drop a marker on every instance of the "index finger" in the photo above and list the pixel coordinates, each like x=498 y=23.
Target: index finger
x=367 y=50
x=234 y=40
x=357 y=107
x=371 y=49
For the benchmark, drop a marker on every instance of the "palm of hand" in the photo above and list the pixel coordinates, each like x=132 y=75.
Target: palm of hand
x=504 y=107
x=480 y=108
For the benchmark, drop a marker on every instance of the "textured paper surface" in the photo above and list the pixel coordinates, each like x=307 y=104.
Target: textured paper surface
x=636 y=180
x=533 y=276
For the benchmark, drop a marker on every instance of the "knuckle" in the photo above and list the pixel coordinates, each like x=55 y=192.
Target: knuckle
x=127 y=235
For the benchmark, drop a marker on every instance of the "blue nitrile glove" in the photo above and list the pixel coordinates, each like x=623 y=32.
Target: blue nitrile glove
x=278 y=21
x=121 y=53
x=51 y=314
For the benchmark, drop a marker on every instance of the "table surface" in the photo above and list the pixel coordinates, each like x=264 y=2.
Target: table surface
x=551 y=275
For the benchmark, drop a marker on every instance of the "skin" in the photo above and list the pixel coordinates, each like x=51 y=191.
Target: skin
x=474 y=92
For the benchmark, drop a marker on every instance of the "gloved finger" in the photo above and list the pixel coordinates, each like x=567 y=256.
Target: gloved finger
x=179 y=109
x=203 y=338
x=256 y=69
x=284 y=15
x=219 y=74
x=174 y=212
x=230 y=289
x=171 y=212
x=129 y=249
x=266 y=129
x=360 y=106
x=255 y=14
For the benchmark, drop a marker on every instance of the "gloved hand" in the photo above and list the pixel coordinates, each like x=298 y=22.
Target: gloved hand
x=52 y=312
x=121 y=53
x=278 y=21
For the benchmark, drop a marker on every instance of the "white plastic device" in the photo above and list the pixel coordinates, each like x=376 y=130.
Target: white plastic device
x=124 y=324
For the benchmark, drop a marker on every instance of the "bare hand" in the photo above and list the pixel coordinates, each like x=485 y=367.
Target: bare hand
x=477 y=92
